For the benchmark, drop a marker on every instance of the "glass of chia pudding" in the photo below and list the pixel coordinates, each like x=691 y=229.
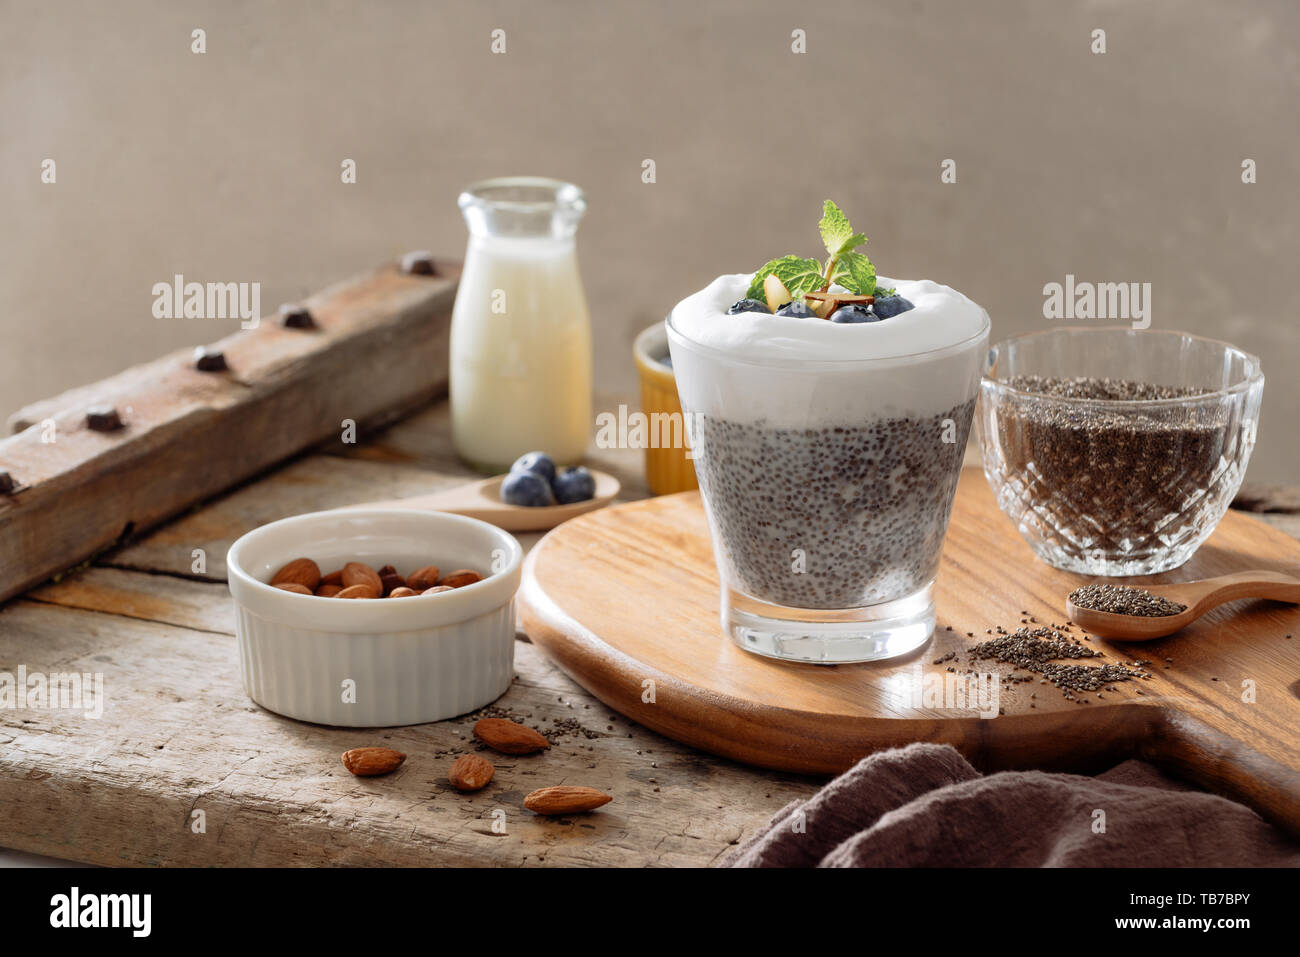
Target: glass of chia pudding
x=1117 y=451
x=828 y=451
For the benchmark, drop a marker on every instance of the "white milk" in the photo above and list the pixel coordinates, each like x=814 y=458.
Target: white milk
x=520 y=353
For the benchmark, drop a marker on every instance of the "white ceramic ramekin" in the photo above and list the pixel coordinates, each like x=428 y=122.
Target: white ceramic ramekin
x=378 y=662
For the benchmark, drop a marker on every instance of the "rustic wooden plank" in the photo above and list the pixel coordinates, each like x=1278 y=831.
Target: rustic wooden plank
x=163 y=599
x=305 y=485
x=189 y=434
x=401 y=461
x=178 y=735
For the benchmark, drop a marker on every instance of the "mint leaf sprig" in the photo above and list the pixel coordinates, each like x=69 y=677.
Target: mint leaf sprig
x=844 y=265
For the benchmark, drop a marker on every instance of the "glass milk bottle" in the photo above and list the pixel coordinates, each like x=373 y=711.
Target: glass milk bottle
x=520 y=332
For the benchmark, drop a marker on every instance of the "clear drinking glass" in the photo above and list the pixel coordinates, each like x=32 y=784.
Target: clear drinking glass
x=828 y=485
x=1118 y=487
x=520 y=331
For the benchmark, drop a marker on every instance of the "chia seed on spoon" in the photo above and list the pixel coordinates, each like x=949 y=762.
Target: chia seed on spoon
x=1122 y=600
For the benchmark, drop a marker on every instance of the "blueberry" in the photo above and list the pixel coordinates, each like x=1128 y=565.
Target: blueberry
x=891 y=306
x=526 y=488
x=797 y=309
x=574 y=485
x=537 y=462
x=748 y=305
x=854 y=312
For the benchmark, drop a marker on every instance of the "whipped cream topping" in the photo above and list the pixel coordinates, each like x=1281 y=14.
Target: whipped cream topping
x=943 y=317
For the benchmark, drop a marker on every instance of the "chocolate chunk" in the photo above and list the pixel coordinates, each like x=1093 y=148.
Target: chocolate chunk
x=294 y=316
x=419 y=263
x=7 y=482
x=207 y=359
x=103 y=418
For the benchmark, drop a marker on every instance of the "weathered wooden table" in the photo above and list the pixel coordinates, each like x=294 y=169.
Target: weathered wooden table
x=178 y=735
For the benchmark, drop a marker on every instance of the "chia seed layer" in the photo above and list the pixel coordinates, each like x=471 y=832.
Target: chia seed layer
x=837 y=517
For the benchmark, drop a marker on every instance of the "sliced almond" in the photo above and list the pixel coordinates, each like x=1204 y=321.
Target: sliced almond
x=776 y=293
x=470 y=772
x=300 y=571
x=565 y=799
x=508 y=737
x=370 y=762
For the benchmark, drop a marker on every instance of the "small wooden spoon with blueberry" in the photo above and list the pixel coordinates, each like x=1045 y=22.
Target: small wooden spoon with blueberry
x=532 y=497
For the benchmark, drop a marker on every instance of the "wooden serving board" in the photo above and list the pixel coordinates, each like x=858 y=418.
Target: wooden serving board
x=625 y=600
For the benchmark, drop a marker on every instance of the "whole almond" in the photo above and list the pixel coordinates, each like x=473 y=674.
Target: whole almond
x=565 y=799
x=436 y=589
x=369 y=762
x=423 y=578
x=402 y=592
x=300 y=571
x=358 y=573
x=333 y=578
x=327 y=591
x=358 y=591
x=469 y=772
x=294 y=587
x=509 y=737
x=460 y=578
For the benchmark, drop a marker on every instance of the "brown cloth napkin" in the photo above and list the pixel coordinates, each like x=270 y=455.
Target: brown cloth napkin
x=925 y=806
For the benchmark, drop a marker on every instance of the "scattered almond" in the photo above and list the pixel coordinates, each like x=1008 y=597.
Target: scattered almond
x=470 y=772
x=300 y=571
x=370 y=762
x=505 y=736
x=358 y=591
x=437 y=588
x=423 y=578
x=460 y=578
x=358 y=573
x=565 y=799
x=294 y=587
x=402 y=592
x=327 y=591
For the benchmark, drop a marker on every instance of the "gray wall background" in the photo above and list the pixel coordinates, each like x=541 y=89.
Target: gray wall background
x=225 y=166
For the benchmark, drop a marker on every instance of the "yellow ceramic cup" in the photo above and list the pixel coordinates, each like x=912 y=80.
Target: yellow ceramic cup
x=667 y=469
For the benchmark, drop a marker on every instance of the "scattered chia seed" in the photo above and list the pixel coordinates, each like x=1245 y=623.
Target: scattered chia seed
x=1120 y=600
x=1039 y=650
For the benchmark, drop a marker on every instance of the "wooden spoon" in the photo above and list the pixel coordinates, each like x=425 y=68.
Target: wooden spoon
x=1199 y=597
x=482 y=500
